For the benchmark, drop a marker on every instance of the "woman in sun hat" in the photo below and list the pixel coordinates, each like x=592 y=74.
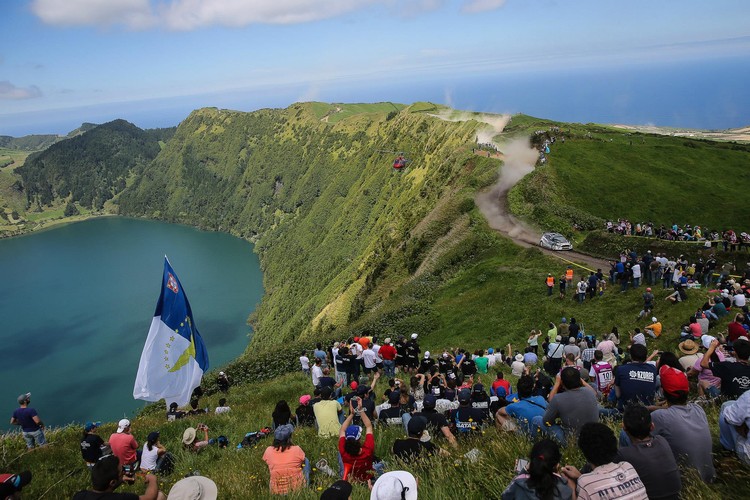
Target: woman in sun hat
x=690 y=349
x=188 y=437
x=289 y=468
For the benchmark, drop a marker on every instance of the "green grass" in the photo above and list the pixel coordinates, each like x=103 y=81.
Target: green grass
x=609 y=173
x=59 y=468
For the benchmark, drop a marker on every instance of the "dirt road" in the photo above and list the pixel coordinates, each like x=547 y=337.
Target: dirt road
x=493 y=205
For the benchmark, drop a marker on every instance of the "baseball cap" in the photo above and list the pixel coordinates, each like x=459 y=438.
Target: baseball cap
x=353 y=432
x=340 y=490
x=648 y=289
x=558 y=338
x=414 y=335
x=394 y=397
x=416 y=426
x=464 y=395
x=394 y=485
x=304 y=399
x=91 y=425
x=387 y=341
x=283 y=432
x=490 y=351
x=426 y=354
x=10 y=483
x=653 y=319
x=673 y=380
x=354 y=385
x=194 y=488
x=706 y=340
x=153 y=436
x=478 y=388
x=221 y=373
x=122 y=425
x=23 y=398
x=429 y=402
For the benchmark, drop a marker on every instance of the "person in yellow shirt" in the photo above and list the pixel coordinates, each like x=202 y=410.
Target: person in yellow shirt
x=654 y=329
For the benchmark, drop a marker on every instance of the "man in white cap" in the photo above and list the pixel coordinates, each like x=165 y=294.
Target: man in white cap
x=223 y=382
x=654 y=329
x=31 y=425
x=395 y=485
x=194 y=488
x=123 y=443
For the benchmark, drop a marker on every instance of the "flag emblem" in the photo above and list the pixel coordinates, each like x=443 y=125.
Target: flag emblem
x=172 y=283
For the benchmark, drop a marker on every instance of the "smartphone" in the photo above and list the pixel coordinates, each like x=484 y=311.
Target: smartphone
x=521 y=465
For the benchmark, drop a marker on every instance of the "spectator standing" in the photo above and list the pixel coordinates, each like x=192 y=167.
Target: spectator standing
x=91 y=444
x=32 y=427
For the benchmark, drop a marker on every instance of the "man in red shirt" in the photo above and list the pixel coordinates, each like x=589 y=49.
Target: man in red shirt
x=388 y=354
x=735 y=329
x=500 y=382
x=123 y=443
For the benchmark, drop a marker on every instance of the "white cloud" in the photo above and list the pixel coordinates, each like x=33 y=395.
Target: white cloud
x=184 y=15
x=475 y=6
x=131 y=13
x=14 y=93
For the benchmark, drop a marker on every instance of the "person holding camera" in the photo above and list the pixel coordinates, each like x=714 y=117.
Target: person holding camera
x=356 y=459
x=190 y=434
x=539 y=476
x=107 y=475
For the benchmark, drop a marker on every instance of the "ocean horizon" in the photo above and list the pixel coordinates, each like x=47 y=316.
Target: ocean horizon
x=705 y=94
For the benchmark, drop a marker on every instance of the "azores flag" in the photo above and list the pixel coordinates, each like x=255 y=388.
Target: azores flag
x=174 y=358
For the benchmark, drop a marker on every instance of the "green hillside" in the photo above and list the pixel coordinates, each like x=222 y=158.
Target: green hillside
x=350 y=246
x=89 y=168
x=602 y=173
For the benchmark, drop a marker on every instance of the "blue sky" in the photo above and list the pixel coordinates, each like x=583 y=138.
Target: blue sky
x=63 y=62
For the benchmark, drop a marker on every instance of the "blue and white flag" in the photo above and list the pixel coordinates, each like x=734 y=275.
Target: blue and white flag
x=174 y=358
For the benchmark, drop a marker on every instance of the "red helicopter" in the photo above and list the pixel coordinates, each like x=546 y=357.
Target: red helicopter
x=400 y=162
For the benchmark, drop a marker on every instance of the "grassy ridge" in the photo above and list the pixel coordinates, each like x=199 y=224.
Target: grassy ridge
x=609 y=174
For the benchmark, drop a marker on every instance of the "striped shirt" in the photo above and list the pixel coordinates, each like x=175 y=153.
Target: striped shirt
x=611 y=481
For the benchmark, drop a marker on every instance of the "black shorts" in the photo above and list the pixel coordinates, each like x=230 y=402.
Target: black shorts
x=368 y=370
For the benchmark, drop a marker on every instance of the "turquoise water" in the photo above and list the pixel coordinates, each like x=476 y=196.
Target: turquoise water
x=77 y=302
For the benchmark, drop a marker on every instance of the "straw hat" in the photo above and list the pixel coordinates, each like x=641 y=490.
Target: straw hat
x=188 y=436
x=688 y=347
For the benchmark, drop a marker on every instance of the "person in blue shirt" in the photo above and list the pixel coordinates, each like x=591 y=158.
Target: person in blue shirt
x=523 y=408
x=635 y=381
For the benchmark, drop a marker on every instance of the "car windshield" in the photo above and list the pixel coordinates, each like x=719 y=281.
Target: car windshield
x=558 y=238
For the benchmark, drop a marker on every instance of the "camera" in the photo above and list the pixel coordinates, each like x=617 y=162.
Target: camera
x=128 y=471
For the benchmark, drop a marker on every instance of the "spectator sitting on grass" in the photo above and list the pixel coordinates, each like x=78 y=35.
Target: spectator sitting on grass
x=222 y=408
x=107 y=475
x=287 y=464
x=651 y=456
x=540 y=479
x=599 y=446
